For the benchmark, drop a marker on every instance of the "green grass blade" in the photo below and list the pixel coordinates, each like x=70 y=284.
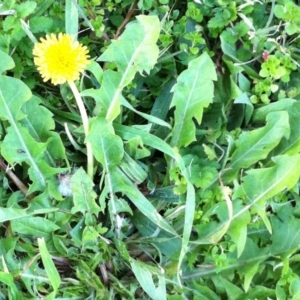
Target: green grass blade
x=49 y=266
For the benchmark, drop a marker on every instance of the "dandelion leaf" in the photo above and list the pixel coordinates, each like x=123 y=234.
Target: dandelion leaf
x=192 y=93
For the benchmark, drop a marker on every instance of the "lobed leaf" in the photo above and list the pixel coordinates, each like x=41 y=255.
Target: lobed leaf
x=83 y=193
x=40 y=124
x=255 y=145
x=192 y=93
x=135 y=51
x=107 y=146
x=261 y=184
x=290 y=145
x=33 y=226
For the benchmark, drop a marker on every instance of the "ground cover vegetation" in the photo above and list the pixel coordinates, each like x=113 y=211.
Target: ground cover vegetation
x=149 y=149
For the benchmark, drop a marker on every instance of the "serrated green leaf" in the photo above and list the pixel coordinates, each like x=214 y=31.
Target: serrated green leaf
x=10 y=22
x=96 y=70
x=255 y=145
x=10 y=213
x=135 y=51
x=192 y=93
x=107 y=146
x=291 y=145
x=38 y=120
x=40 y=123
x=260 y=114
x=110 y=91
x=13 y=94
x=33 y=226
x=19 y=146
x=286 y=234
x=211 y=154
x=262 y=184
x=123 y=206
x=83 y=193
x=40 y=24
x=25 y=8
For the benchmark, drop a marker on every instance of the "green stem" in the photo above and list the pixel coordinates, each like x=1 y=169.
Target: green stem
x=85 y=123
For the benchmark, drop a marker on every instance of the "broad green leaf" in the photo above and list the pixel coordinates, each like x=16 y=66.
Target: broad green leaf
x=290 y=145
x=39 y=24
x=260 y=114
x=110 y=89
x=7 y=62
x=192 y=93
x=83 y=193
x=96 y=70
x=40 y=124
x=49 y=266
x=18 y=146
x=25 y=8
x=33 y=226
x=262 y=184
x=135 y=51
x=255 y=145
x=10 y=213
x=13 y=94
x=38 y=120
x=107 y=146
x=144 y=274
x=286 y=234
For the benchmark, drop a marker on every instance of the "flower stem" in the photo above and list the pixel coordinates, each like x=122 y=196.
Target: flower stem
x=85 y=123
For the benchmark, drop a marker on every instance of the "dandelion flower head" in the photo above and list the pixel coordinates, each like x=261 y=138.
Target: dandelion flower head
x=60 y=58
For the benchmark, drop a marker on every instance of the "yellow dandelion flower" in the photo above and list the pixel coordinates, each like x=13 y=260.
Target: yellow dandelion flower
x=60 y=58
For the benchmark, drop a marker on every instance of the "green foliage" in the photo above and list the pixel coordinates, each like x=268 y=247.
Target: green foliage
x=193 y=115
